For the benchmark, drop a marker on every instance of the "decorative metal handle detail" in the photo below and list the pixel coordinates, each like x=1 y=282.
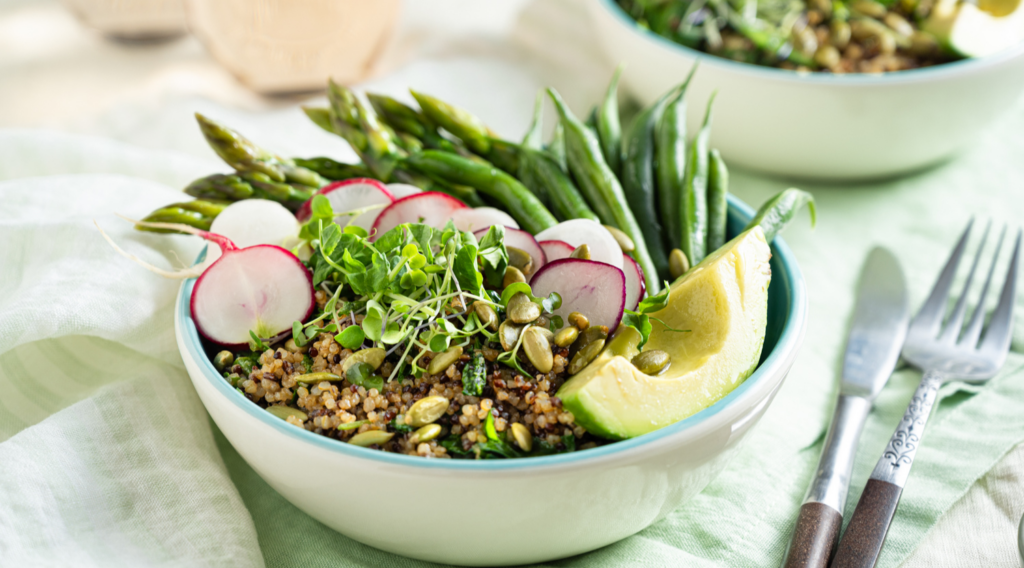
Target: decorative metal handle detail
x=894 y=466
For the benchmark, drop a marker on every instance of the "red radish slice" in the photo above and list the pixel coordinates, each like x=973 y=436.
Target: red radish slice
x=254 y=222
x=480 y=218
x=594 y=289
x=400 y=190
x=603 y=247
x=523 y=241
x=352 y=195
x=635 y=286
x=429 y=207
x=556 y=250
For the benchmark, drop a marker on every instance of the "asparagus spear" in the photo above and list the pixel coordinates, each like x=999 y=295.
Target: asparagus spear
x=359 y=125
x=198 y=213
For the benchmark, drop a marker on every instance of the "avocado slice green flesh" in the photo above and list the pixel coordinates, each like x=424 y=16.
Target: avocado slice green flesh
x=723 y=303
x=977 y=29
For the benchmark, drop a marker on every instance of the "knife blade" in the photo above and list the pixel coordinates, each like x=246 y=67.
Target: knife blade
x=879 y=327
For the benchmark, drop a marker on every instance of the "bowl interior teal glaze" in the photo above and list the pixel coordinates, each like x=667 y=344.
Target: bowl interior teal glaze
x=786 y=306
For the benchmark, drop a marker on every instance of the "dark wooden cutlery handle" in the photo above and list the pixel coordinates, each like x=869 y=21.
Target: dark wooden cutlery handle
x=869 y=525
x=815 y=536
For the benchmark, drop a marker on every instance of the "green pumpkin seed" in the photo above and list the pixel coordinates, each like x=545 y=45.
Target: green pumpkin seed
x=840 y=34
x=426 y=433
x=521 y=309
x=581 y=252
x=537 y=349
x=566 y=336
x=290 y=345
x=426 y=410
x=512 y=275
x=584 y=356
x=314 y=378
x=547 y=333
x=870 y=8
x=652 y=362
x=283 y=412
x=625 y=243
x=443 y=360
x=223 y=360
x=486 y=314
x=371 y=437
x=678 y=264
x=373 y=357
x=586 y=337
x=521 y=434
x=579 y=320
x=520 y=259
x=508 y=334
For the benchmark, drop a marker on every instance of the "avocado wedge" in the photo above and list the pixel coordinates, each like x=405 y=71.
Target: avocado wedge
x=721 y=306
x=976 y=29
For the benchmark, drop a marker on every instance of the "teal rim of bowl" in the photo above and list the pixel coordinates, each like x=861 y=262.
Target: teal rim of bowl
x=787 y=341
x=852 y=79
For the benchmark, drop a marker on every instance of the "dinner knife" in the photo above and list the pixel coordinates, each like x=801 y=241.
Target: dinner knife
x=876 y=336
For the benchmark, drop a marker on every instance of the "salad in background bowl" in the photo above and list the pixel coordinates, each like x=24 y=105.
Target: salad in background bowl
x=404 y=346
x=821 y=125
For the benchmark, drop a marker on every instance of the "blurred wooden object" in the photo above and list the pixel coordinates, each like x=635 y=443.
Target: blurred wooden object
x=132 y=20
x=279 y=46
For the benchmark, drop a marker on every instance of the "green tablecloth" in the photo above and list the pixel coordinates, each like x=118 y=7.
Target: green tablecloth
x=107 y=457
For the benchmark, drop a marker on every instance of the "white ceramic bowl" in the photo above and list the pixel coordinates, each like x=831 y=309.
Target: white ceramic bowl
x=820 y=126
x=543 y=508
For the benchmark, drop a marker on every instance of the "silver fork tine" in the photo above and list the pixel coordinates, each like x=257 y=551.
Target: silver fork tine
x=931 y=313
x=956 y=319
x=973 y=331
x=997 y=337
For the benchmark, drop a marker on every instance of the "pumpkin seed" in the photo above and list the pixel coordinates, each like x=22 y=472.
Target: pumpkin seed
x=827 y=56
x=538 y=350
x=547 y=333
x=283 y=412
x=371 y=437
x=898 y=24
x=840 y=34
x=508 y=334
x=870 y=8
x=678 y=264
x=625 y=243
x=223 y=360
x=586 y=337
x=584 y=356
x=520 y=259
x=579 y=320
x=582 y=252
x=425 y=434
x=521 y=309
x=566 y=336
x=486 y=314
x=521 y=434
x=426 y=410
x=443 y=360
x=512 y=275
x=290 y=345
x=373 y=357
x=314 y=378
x=652 y=362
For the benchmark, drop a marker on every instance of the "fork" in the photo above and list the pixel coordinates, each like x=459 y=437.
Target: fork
x=945 y=353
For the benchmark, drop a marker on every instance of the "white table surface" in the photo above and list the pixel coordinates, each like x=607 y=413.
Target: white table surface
x=56 y=74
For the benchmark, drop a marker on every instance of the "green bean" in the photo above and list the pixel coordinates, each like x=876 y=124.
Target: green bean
x=539 y=172
x=556 y=148
x=778 y=211
x=463 y=125
x=670 y=159
x=599 y=184
x=718 y=204
x=523 y=205
x=693 y=210
x=504 y=154
x=609 y=130
x=532 y=138
x=467 y=195
x=591 y=121
x=331 y=169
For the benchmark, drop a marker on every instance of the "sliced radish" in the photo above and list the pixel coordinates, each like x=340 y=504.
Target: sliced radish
x=481 y=218
x=635 y=286
x=576 y=232
x=523 y=241
x=352 y=195
x=254 y=222
x=400 y=190
x=556 y=250
x=594 y=289
x=429 y=207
